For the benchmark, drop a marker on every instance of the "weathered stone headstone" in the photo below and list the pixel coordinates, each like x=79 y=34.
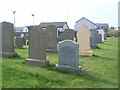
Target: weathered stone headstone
x=26 y=40
x=68 y=58
x=51 y=38
x=8 y=48
x=105 y=35
x=59 y=38
x=93 y=38
x=83 y=38
x=99 y=38
x=68 y=34
x=19 y=42
x=37 y=52
x=101 y=31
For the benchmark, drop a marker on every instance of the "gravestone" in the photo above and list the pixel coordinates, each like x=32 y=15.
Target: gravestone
x=37 y=52
x=83 y=38
x=51 y=38
x=93 y=38
x=59 y=38
x=105 y=35
x=101 y=31
x=68 y=34
x=68 y=58
x=7 y=39
x=19 y=42
x=99 y=38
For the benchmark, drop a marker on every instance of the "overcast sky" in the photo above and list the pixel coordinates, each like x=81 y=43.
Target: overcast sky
x=98 y=11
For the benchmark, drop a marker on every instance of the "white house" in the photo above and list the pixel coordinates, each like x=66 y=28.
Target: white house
x=21 y=29
x=86 y=22
x=90 y=24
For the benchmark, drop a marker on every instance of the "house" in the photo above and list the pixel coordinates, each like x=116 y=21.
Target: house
x=102 y=25
x=86 y=22
x=21 y=29
x=61 y=26
x=90 y=24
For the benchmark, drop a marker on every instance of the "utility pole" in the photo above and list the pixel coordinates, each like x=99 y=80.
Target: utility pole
x=14 y=18
x=33 y=18
x=66 y=15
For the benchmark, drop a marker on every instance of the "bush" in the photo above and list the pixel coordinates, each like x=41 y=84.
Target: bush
x=113 y=33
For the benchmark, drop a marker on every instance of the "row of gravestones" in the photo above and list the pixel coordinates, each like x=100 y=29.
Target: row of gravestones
x=52 y=39
x=50 y=36
x=67 y=51
x=38 y=42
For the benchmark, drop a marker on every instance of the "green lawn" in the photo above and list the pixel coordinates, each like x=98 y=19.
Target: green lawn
x=102 y=70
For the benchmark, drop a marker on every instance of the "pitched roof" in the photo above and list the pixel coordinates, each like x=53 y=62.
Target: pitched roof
x=85 y=19
x=57 y=24
x=19 y=28
x=102 y=25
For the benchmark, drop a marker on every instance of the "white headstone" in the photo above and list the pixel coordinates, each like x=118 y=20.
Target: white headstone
x=83 y=38
x=101 y=31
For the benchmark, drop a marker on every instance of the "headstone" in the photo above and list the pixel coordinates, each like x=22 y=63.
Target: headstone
x=68 y=34
x=60 y=38
x=51 y=38
x=93 y=38
x=37 y=52
x=8 y=48
x=19 y=42
x=68 y=58
x=105 y=35
x=25 y=40
x=99 y=38
x=83 y=38
x=101 y=31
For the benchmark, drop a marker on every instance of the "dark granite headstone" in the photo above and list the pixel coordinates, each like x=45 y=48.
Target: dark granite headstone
x=68 y=34
x=19 y=42
x=37 y=52
x=51 y=38
x=7 y=39
x=93 y=38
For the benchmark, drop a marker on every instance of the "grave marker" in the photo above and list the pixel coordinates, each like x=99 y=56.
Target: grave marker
x=19 y=42
x=37 y=52
x=68 y=34
x=83 y=38
x=68 y=58
x=93 y=38
x=7 y=39
x=51 y=38
x=101 y=31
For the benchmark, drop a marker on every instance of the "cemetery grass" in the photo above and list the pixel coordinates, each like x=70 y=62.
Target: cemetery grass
x=101 y=70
